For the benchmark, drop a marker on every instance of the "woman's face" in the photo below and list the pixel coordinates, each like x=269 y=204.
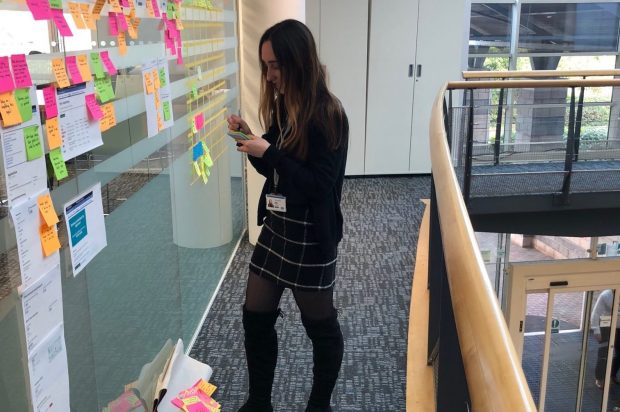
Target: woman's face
x=272 y=65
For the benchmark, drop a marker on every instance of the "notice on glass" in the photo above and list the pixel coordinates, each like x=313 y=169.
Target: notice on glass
x=49 y=374
x=23 y=177
x=79 y=133
x=42 y=306
x=85 y=227
x=157 y=98
x=33 y=263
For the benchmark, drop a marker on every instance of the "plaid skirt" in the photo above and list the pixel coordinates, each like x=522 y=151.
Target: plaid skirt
x=288 y=254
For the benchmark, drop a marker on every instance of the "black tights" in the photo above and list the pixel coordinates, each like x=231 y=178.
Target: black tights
x=263 y=295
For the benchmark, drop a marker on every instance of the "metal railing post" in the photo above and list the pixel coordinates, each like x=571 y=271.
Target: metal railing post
x=436 y=274
x=570 y=152
x=578 y=123
x=498 y=128
x=469 y=148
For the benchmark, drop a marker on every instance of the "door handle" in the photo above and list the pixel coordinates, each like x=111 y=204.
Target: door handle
x=411 y=70
x=419 y=71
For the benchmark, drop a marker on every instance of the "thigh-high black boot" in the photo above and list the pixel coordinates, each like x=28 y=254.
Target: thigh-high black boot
x=327 y=347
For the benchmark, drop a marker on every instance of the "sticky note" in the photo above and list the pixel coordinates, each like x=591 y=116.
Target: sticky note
x=46 y=207
x=149 y=88
x=194 y=130
x=199 y=173
x=112 y=24
x=9 y=110
x=87 y=16
x=34 y=150
x=105 y=58
x=76 y=15
x=82 y=64
x=60 y=74
x=115 y=6
x=133 y=27
x=179 y=56
x=21 y=73
x=95 y=61
x=208 y=160
x=194 y=92
x=93 y=107
x=103 y=88
x=199 y=120
x=155 y=77
x=6 y=79
x=149 y=8
x=54 y=138
x=162 y=77
x=121 y=20
x=22 y=98
x=122 y=44
x=56 y=4
x=157 y=99
x=125 y=3
x=49 y=240
x=74 y=72
x=171 y=10
x=49 y=95
x=58 y=164
x=97 y=8
x=40 y=9
x=197 y=151
x=109 y=117
x=167 y=111
x=155 y=6
x=61 y=23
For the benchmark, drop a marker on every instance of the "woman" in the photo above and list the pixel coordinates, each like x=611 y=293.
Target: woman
x=303 y=156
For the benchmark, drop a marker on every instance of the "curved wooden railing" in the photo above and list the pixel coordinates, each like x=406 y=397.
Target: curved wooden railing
x=518 y=84
x=532 y=74
x=495 y=378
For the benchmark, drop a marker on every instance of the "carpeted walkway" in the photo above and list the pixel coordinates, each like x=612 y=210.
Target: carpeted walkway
x=373 y=290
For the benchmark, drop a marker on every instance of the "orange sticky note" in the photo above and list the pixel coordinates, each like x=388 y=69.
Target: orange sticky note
x=46 y=207
x=97 y=8
x=109 y=117
x=155 y=76
x=82 y=63
x=54 y=138
x=148 y=83
x=9 y=110
x=60 y=73
x=149 y=9
x=160 y=123
x=157 y=100
x=74 y=9
x=88 y=18
x=49 y=239
x=132 y=28
x=115 y=6
x=122 y=44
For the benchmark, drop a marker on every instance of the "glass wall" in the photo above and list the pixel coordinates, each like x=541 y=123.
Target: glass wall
x=172 y=218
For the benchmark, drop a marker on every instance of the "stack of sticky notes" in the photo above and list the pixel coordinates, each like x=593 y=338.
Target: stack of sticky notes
x=197 y=398
x=127 y=402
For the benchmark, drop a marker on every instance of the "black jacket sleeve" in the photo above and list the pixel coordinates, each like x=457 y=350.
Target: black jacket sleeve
x=260 y=164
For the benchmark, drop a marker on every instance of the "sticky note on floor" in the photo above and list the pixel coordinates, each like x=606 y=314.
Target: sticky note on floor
x=22 y=98
x=54 y=138
x=46 y=207
x=32 y=140
x=21 y=74
x=9 y=110
x=6 y=79
x=58 y=164
x=49 y=240
x=60 y=74
x=51 y=108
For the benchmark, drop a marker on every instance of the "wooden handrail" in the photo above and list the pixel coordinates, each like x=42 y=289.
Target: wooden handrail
x=495 y=377
x=532 y=74
x=518 y=84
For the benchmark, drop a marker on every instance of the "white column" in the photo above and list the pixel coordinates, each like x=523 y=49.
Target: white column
x=256 y=16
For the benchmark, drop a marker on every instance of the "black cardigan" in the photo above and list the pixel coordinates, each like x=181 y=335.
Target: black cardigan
x=315 y=183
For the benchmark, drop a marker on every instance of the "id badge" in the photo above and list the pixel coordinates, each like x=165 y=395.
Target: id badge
x=276 y=203
x=604 y=321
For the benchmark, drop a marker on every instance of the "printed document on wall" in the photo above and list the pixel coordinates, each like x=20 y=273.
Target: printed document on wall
x=85 y=227
x=42 y=307
x=23 y=177
x=79 y=133
x=49 y=374
x=32 y=262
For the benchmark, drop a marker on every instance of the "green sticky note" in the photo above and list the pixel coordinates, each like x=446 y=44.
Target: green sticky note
x=171 y=10
x=56 y=4
x=166 y=107
x=208 y=160
x=97 y=65
x=194 y=92
x=194 y=130
x=58 y=163
x=205 y=148
x=162 y=77
x=103 y=88
x=34 y=150
x=22 y=97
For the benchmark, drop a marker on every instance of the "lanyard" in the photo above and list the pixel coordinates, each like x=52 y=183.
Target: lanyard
x=279 y=144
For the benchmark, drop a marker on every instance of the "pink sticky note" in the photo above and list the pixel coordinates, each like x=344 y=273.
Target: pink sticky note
x=200 y=121
x=197 y=407
x=170 y=44
x=155 y=8
x=122 y=22
x=105 y=57
x=49 y=95
x=61 y=23
x=125 y=3
x=112 y=24
x=72 y=68
x=93 y=107
x=20 y=71
x=6 y=80
x=179 y=55
x=40 y=9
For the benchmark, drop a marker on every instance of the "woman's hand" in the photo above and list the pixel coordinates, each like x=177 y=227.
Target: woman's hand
x=238 y=124
x=255 y=147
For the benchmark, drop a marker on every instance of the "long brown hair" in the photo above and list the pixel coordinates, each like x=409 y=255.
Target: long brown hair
x=306 y=99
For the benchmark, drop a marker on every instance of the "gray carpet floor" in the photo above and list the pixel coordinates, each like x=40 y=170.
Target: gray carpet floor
x=373 y=291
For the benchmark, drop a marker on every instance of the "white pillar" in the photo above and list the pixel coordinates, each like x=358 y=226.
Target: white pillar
x=256 y=16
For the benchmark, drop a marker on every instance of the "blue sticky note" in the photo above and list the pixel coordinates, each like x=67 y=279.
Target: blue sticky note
x=197 y=151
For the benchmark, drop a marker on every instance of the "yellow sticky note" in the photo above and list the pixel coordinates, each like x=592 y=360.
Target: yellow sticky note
x=54 y=138
x=60 y=74
x=49 y=239
x=82 y=63
x=122 y=44
x=109 y=117
x=46 y=207
x=9 y=110
x=58 y=163
x=74 y=9
x=197 y=169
